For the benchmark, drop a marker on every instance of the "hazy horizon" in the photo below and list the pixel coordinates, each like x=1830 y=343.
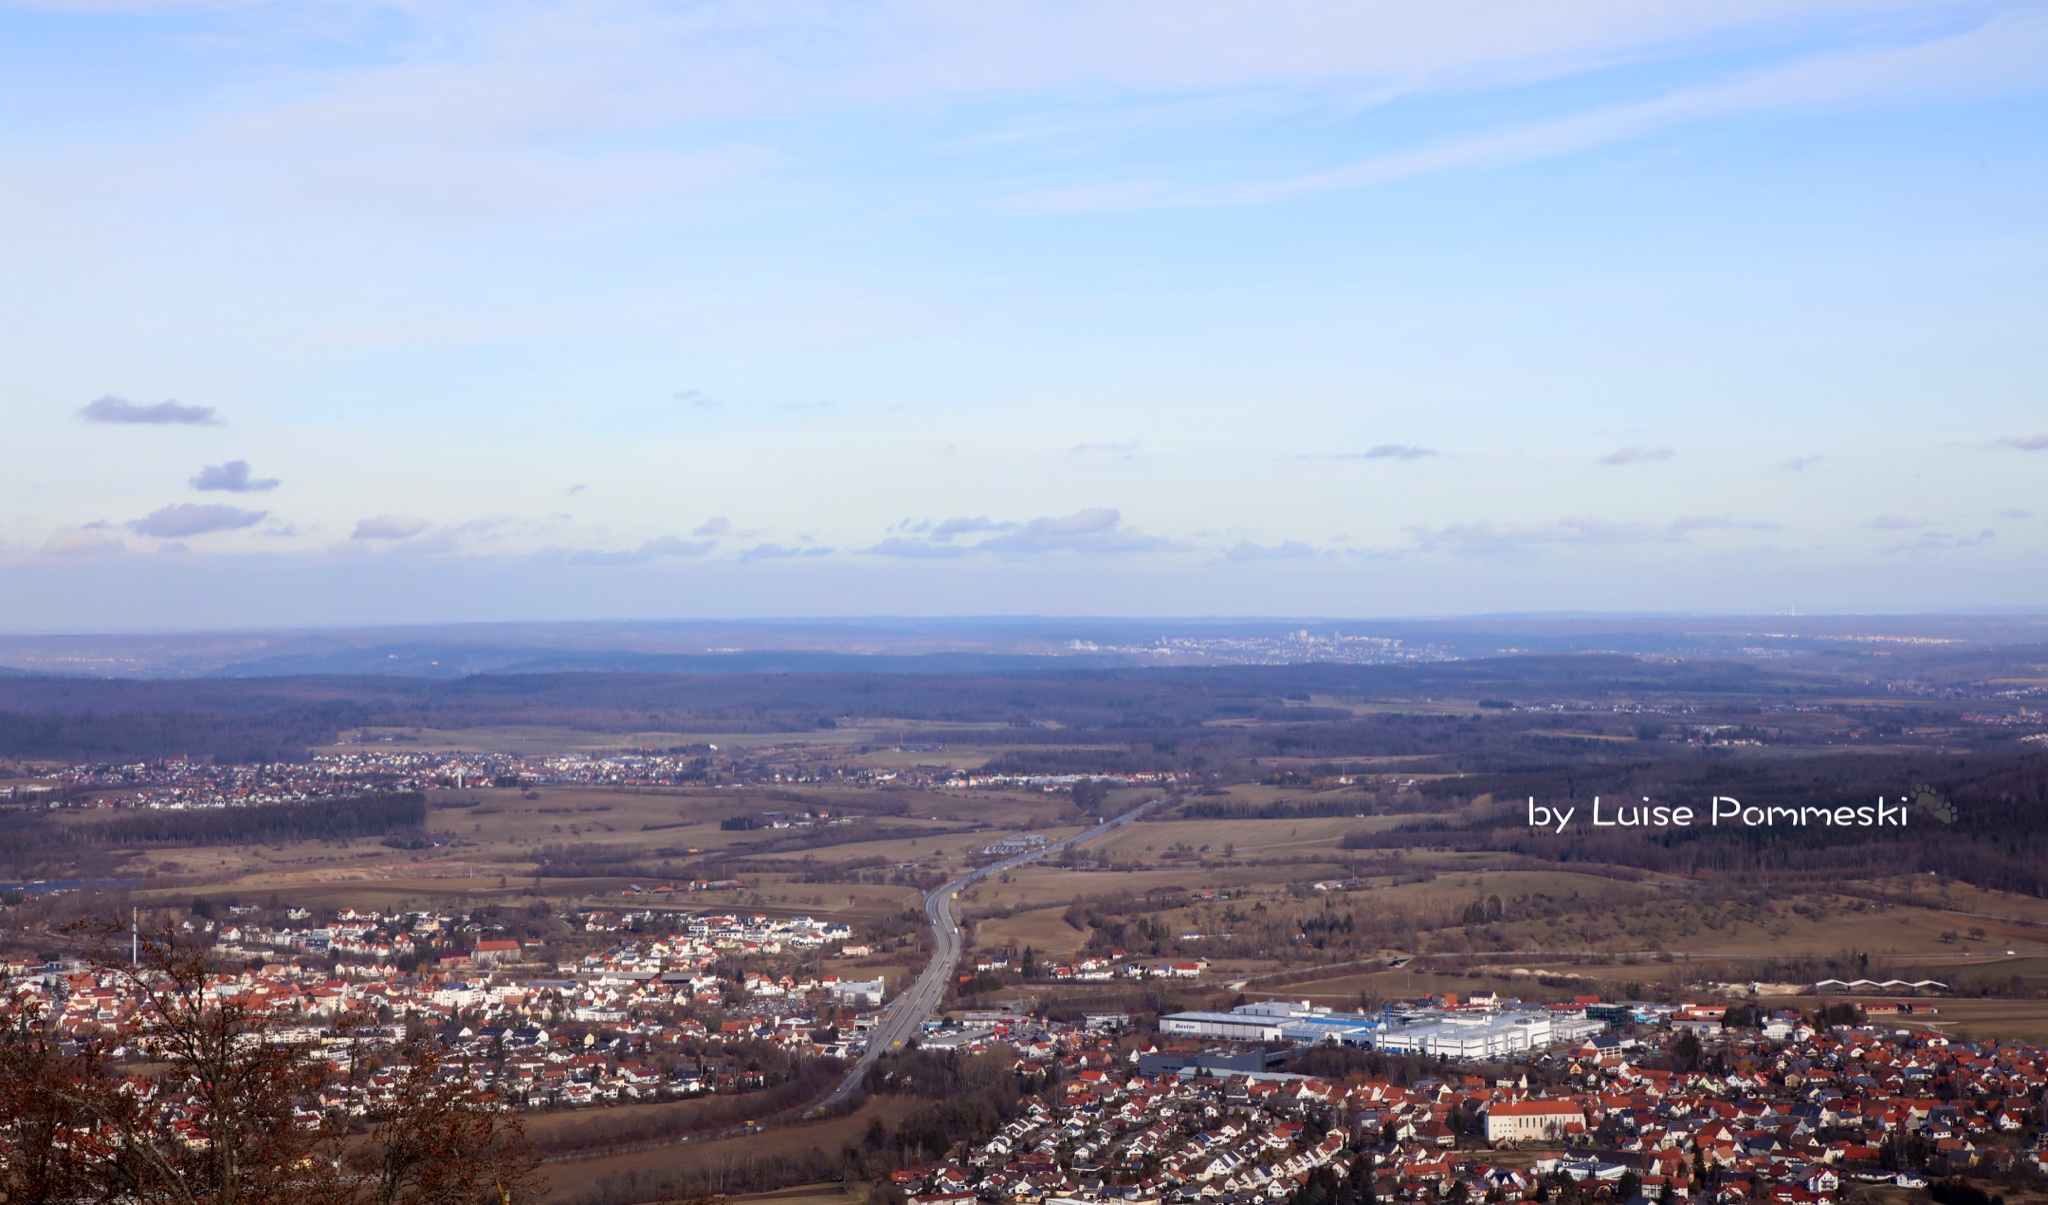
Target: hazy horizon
x=1939 y=644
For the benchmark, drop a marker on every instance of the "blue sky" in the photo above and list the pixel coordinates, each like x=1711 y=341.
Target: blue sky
x=347 y=312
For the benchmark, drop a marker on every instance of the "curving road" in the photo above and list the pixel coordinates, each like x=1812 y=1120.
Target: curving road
x=901 y=1020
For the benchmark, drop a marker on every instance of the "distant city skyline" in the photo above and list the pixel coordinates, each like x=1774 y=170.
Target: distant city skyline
x=363 y=313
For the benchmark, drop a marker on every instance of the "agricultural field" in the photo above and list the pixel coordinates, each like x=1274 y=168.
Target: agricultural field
x=1340 y=818
x=1043 y=930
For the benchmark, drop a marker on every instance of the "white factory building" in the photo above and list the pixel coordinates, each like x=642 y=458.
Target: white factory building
x=1454 y=1034
x=1234 y=1026
x=1485 y=1035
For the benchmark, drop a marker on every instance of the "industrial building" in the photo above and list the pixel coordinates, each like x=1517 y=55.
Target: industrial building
x=1459 y=1035
x=1235 y=1026
x=1451 y=1033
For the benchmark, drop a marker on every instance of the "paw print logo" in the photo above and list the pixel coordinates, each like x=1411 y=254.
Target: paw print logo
x=1931 y=802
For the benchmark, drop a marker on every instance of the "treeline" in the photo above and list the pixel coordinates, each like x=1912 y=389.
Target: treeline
x=39 y=845
x=1160 y=715
x=1080 y=761
x=1212 y=809
x=233 y=736
x=317 y=820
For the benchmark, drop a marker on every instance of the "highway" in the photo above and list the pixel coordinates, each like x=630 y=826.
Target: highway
x=904 y=1017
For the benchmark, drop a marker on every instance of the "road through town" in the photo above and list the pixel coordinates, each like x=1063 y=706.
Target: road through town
x=904 y=1017
x=901 y=1020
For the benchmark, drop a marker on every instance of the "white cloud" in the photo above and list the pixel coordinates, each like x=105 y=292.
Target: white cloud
x=1388 y=452
x=717 y=525
x=1637 y=455
x=916 y=549
x=389 y=527
x=195 y=519
x=1096 y=529
x=776 y=552
x=946 y=529
x=119 y=410
x=233 y=477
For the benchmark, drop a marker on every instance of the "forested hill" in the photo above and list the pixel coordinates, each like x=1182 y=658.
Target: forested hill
x=268 y=719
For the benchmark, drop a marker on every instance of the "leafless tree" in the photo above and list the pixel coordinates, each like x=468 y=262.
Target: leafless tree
x=210 y=1099
x=54 y=1103
x=436 y=1139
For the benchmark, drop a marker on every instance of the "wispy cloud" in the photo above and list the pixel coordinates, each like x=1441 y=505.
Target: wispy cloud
x=1093 y=530
x=1499 y=537
x=120 y=410
x=697 y=399
x=1637 y=455
x=195 y=519
x=445 y=539
x=676 y=546
x=1489 y=537
x=716 y=525
x=1123 y=450
x=85 y=541
x=1891 y=523
x=233 y=477
x=1376 y=452
x=389 y=527
x=777 y=552
x=1941 y=541
x=1998 y=54
x=1799 y=464
x=946 y=529
x=1096 y=529
x=1685 y=525
x=557 y=555
x=660 y=546
x=1288 y=550
x=2023 y=443
x=1388 y=452
x=903 y=546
